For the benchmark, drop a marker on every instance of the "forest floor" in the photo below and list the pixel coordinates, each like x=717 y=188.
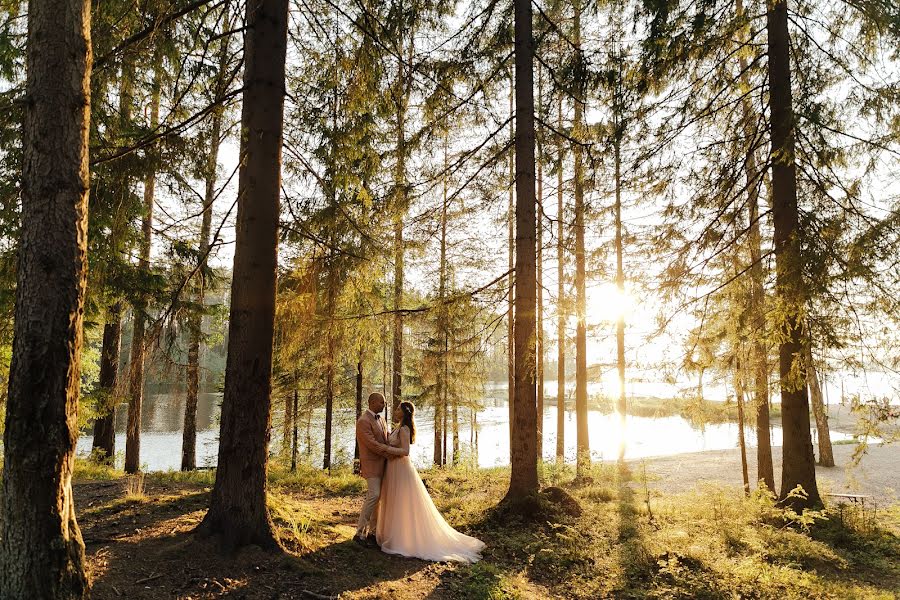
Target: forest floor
x=630 y=541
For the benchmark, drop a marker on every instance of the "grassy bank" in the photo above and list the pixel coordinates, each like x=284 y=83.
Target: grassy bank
x=625 y=543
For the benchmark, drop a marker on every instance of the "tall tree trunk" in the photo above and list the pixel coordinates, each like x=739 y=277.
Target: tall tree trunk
x=826 y=454
x=402 y=203
x=104 y=444
x=309 y=433
x=444 y=428
x=237 y=508
x=455 y=418
x=441 y=379
x=583 y=458
x=359 y=395
x=287 y=425
x=332 y=264
x=798 y=466
x=540 y=275
x=105 y=426
x=189 y=431
x=739 y=398
x=138 y=343
x=510 y=298
x=294 y=425
x=330 y=303
x=41 y=550
x=523 y=479
x=397 y=351
x=759 y=355
x=384 y=360
x=437 y=456
x=560 y=296
x=475 y=429
x=620 y=271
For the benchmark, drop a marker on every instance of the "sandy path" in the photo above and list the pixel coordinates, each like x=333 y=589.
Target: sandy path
x=878 y=474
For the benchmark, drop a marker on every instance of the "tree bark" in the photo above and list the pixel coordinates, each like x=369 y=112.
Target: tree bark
x=523 y=477
x=620 y=275
x=402 y=203
x=437 y=456
x=332 y=264
x=359 y=395
x=441 y=382
x=104 y=444
x=444 y=429
x=294 y=426
x=287 y=425
x=540 y=275
x=41 y=550
x=455 y=421
x=237 y=508
x=560 y=296
x=397 y=351
x=759 y=355
x=798 y=466
x=189 y=432
x=510 y=296
x=330 y=305
x=826 y=454
x=138 y=343
x=583 y=457
x=739 y=398
x=104 y=426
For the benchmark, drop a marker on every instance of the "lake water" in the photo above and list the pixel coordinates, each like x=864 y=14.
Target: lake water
x=162 y=419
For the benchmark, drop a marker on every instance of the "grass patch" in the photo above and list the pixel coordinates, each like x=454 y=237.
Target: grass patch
x=93 y=471
x=339 y=481
x=134 y=488
x=201 y=477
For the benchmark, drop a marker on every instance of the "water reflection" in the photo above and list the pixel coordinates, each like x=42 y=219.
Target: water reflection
x=163 y=415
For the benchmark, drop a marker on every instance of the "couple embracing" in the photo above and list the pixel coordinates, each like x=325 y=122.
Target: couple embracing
x=398 y=515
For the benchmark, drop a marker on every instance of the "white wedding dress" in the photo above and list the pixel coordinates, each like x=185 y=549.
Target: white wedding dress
x=408 y=522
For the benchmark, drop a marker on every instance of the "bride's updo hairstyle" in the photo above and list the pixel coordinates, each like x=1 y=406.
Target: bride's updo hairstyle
x=408 y=410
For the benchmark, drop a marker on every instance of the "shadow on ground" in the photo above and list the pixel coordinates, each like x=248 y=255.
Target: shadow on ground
x=146 y=549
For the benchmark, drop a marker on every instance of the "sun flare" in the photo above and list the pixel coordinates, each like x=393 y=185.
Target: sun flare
x=607 y=303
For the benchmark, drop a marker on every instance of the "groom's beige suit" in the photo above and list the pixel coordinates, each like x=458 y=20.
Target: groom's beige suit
x=371 y=435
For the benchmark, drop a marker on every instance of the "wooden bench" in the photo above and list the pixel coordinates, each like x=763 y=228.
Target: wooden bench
x=857 y=500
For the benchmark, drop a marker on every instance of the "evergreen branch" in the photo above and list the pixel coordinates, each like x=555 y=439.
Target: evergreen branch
x=153 y=28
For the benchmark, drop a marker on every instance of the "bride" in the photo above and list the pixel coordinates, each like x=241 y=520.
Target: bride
x=408 y=522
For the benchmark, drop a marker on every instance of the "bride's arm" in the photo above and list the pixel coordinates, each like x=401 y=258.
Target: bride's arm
x=404 y=440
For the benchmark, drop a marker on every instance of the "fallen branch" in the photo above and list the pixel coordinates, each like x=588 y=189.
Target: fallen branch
x=149 y=579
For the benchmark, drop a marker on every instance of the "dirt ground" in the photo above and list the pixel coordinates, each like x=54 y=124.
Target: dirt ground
x=145 y=549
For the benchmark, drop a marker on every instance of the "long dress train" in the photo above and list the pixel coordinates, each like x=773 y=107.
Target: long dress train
x=408 y=522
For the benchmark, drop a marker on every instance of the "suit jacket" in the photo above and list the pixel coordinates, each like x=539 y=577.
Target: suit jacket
x=371 y=435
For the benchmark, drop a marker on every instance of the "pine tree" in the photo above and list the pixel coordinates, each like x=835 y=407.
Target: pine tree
x=41 y=549
x=798 y=466
x=523 y=443
x=237 y=509
x=583 y=457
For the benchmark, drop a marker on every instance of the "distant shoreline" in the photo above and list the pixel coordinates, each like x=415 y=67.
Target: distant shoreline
x=840 y=417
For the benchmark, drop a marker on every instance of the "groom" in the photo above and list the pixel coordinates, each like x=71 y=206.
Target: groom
x=371 y=435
